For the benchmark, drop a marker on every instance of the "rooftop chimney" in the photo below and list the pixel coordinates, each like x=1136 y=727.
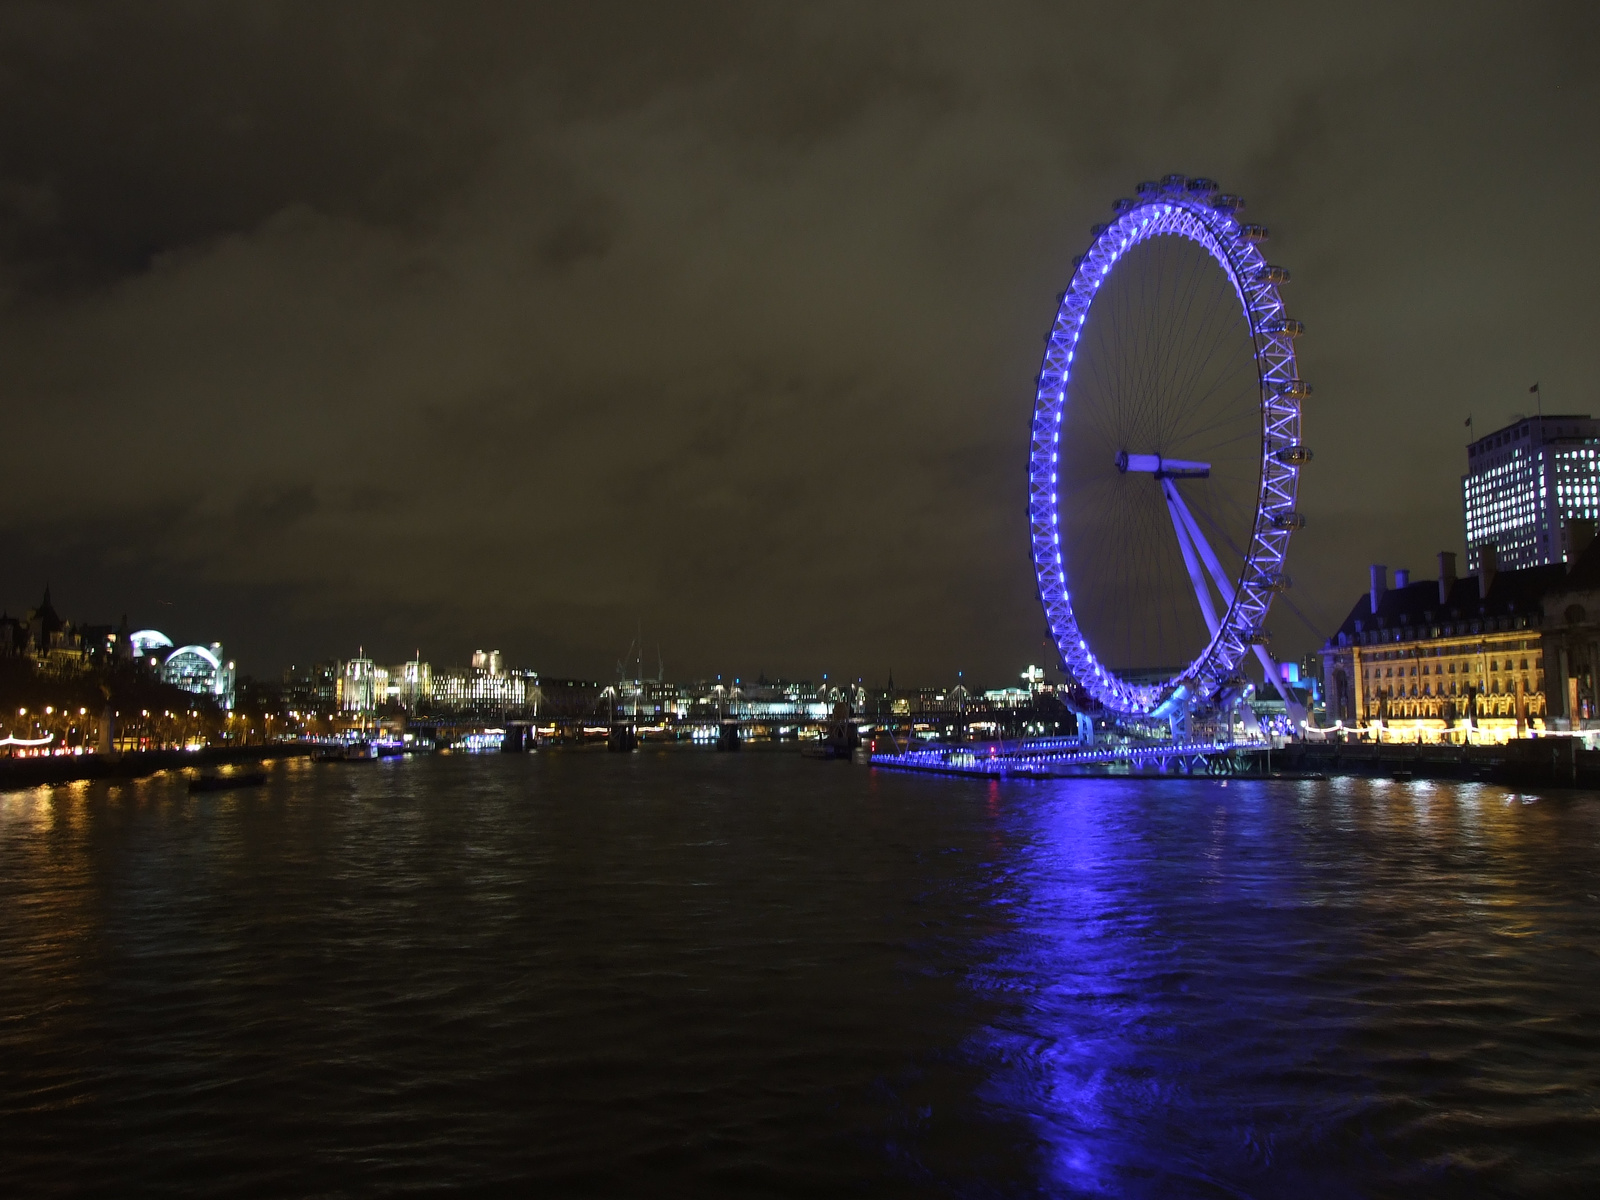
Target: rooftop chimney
x=1379 y=585
x=1580 y=534
x=1402 y=578
x=1447 y=575
x=1488 y=567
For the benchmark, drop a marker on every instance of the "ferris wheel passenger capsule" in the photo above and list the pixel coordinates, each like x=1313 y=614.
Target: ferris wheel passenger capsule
x=1293 y=456
x=1124 y=205
x=1148 y=188
x=1272 y=274
x=1227 y=202
x=1174 y=183
x=1284 y=325
x=1288 y=520
x=1254 y=233
x=1295 y=389
x=1201 y=186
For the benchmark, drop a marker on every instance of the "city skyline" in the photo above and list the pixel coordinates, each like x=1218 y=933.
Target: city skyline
x=158 y=648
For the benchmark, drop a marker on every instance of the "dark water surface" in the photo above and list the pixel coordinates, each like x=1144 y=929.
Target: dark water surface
x=752 y=974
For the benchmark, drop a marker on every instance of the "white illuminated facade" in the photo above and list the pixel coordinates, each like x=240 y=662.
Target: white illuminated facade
x=410 y=684
x=1524 y=483
x=358 y=686
x=148 y=641
x=478 y=690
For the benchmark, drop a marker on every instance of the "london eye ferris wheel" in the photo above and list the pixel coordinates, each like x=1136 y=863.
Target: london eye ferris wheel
x=1166 y=453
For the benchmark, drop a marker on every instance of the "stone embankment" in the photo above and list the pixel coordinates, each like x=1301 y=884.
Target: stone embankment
x=16 y=773
x=1524 y=762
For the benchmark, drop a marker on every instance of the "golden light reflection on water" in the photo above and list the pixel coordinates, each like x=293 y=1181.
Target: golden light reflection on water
x=59 y=851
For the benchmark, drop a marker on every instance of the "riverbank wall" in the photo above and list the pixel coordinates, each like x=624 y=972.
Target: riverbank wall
x=1525 y=762
x=18 y=773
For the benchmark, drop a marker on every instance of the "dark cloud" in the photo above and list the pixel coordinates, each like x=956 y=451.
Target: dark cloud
x=446 y=325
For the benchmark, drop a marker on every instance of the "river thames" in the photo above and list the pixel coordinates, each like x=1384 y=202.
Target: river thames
x=747 y=974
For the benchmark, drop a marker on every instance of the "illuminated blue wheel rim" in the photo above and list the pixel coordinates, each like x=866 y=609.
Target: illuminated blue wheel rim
x=1187 y=209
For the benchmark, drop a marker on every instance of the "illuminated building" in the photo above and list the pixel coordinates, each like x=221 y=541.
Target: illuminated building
x=202 y=670
x=148 y=641
x=1443 y=659
x=485 y=687
x=1524 y=483
x=358 y=686
x=410 y=684
x=1008 y=697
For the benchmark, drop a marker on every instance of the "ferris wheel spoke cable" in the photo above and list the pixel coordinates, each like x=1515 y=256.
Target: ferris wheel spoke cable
x=1156 y=363
x=1120 y=554
x=1198 y=401
x=1248 y=440
x=1198 y=363
x=1179 y=346
x=1241 y=400
x=1311 y=626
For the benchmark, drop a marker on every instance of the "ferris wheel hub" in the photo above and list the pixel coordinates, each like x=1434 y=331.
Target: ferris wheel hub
x=1162 y=468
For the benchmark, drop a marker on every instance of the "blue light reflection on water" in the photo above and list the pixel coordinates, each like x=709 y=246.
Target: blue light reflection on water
x=1314 y=989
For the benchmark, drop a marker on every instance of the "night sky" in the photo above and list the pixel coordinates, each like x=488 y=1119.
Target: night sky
x=531 y=326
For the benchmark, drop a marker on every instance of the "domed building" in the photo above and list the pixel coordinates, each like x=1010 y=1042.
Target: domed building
x=147 y=641
x=202 y=670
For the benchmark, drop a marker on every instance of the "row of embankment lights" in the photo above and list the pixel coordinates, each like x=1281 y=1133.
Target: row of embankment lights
x=49 y=710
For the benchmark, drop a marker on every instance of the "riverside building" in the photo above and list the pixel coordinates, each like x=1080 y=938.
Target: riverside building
x=1524 y=483
x=1494 y=655
x=487 y=687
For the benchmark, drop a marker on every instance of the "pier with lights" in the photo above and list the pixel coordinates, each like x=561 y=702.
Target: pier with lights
x=1048 y=758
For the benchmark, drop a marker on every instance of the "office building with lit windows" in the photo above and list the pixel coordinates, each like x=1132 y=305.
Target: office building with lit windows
x=1524 y=483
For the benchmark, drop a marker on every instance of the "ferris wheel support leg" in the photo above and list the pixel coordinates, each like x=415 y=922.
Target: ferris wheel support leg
x=1182 y=525
x=1179 y=723
x=1184 y=519
x=1297 y=711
